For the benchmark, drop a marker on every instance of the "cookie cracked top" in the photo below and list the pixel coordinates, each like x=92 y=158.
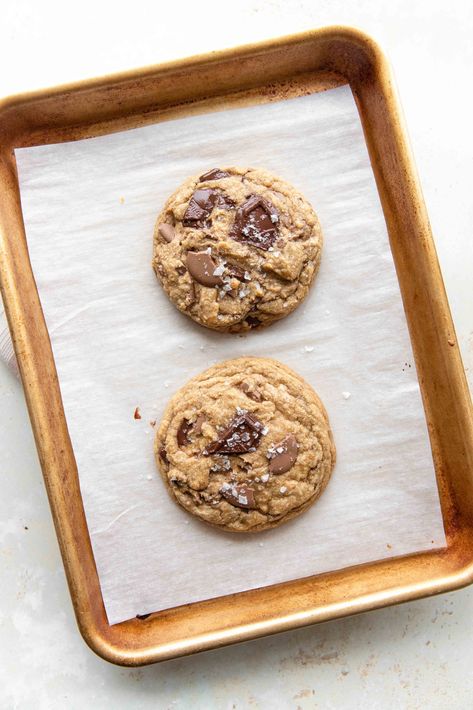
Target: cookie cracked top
x=246 y=445
x=236 y=248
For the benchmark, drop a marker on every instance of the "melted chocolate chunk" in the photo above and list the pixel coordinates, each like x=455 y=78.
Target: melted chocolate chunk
x=235 y=272
x=240 y=436
x=283 y=455
x=163 y=454
x=182 y=433
x=214 y=174
x=192 y=298
x=225 y=202
x=256 y=223
x=199 y=208
x=186 y=428
x=202 y=268
x=252 y=321
x=252 y=394
x=201 y=205
x=166 y=231
x=239 y=495
x=197 y=426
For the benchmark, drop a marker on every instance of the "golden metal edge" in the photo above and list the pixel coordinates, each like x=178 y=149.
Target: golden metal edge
x=134 y=642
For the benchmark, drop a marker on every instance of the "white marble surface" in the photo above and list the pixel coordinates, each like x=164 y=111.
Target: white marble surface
x=413 y=656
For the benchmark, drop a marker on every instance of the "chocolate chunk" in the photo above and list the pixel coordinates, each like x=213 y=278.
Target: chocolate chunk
x=163 y=454
x=184 y=429
x=201 y=205
x=252 y=321
x=201 y=267
x=197 y=426
x=256 y=223
x=181 y=269
x=225 y=202
x=283 y=455
x=166 y=231
x=192 y=298
x=235 y=272
x=239 y=495
x=241 y=435
x=142 y=616
x=214 y=174
x=199 y=208
x=252 y=394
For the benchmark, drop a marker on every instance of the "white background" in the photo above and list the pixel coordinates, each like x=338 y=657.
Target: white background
x=412 y=656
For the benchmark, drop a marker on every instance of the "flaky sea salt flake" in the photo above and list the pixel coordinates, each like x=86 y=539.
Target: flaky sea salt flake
x=218 y=271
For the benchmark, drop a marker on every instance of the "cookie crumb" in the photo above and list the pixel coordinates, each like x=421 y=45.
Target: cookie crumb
x=122 y=200
x=137 y=414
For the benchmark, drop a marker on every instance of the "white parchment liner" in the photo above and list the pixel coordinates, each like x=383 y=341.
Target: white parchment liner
x=89 y=211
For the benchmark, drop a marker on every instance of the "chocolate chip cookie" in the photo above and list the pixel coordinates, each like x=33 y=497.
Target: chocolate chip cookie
x=236 y=248
x=246 y=445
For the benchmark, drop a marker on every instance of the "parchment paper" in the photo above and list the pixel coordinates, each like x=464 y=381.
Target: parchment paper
x=89 y=210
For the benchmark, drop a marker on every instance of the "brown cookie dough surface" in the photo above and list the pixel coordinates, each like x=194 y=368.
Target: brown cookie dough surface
x=246 y=445
x=236 y=248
